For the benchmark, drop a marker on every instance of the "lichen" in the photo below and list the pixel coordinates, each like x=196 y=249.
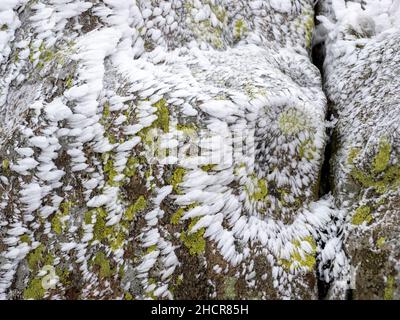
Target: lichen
x=5 y=164
x=194 y=242
x=389 y=289
x=162 y=112
x=382 y=176
x=300 y=258
x=208 y=167
x=102 y=262
x=240 y=29
x=258 y=191
x=35 y=257
x=25 y=239
x=139 y=205
x=175 y=218
x=361 y=215
x=177 y=178
x=292 y=121
x=307 y=150
x=229 y=288
x=381 y=160
x=34 y=290
x=380 y=242
x=309 y=28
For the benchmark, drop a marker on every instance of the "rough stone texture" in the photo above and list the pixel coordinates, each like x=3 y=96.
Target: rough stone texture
x=360 y=81
x=173 y=150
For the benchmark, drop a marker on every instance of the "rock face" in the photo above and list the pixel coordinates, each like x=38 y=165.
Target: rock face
x=173 y=150
x=360 y=80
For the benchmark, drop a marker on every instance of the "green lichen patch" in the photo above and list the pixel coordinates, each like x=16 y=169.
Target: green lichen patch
x=300 y=258
x=57 y=222
x=131 y=165
x=162 y=112
x=258 y=191
x=177 y=178
x=5 y=164
x=382 y=176
x=102 y=262
x=292 y=121
x=195 y=241
x=35 y=257
x=208 y=167
x=381 y=160
x=229 y=288
x=240 y=29
x=25 y=239
x=361 y=215
x=389 y=289
x=34 y=290
x=307 y=150
x=139 y=205
x=309 y=28
x=175 y=218
x=380 y=242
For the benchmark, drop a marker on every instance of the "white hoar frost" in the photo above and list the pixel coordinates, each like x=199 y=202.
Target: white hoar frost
x=165 y=124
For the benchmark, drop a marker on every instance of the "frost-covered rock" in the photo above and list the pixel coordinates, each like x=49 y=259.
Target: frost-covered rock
x=361 y=79
x=159 y=149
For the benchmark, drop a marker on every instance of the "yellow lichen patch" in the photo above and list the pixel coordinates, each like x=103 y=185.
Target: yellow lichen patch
x=353 y=153
x=253 y=91
x=194 y=242
x=102 y=262
x=177 y=178
x=380 y=242
x=309 y=28
x=382 y=176
x=34 y=290
x=361 y=215
x=208 y=167
x=139 y=205
x=292 y=121
x=301 y=258
x=57 y=222
x=175 y=218
x=35 y=257
x=389 y=289
x=240 y=29
x=258 y=191
x=5 y=164
x=25 y=239
x=162 y=112
x=130 y=169
x=382 y=158
x=128 y=296
x=307 y=150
